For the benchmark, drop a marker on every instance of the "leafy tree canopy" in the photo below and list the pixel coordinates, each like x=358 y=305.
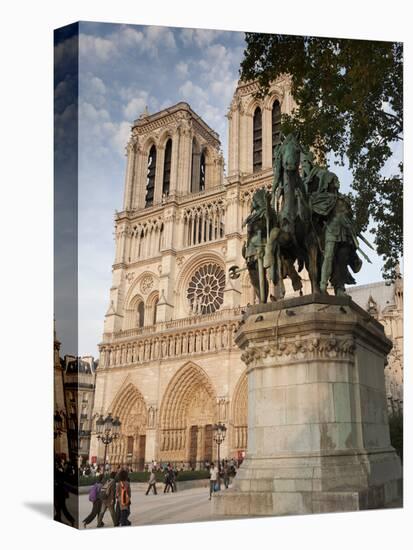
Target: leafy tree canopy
x=349 y=96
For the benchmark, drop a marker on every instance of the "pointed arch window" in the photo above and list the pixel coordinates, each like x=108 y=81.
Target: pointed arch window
x=150 y=181
x=140 y=314
x=276 y=124
x=257 y=140
x=155 y=306
x=195 y=171
x=167 y=168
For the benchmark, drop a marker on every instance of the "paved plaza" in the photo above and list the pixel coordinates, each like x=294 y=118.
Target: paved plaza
x=181 y=507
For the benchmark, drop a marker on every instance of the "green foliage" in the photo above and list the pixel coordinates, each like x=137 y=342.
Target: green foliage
x=143 y=477
x=349 y=96
x=396 y=432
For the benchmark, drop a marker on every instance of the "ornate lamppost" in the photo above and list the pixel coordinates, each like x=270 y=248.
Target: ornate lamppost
x=107 y=430
x=220 y=431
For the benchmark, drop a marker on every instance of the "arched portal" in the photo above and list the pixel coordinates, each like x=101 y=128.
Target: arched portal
x=187 y=415
x=240 y=416
x=131 y=409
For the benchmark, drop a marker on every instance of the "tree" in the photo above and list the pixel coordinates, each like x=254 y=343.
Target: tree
x=349 y=96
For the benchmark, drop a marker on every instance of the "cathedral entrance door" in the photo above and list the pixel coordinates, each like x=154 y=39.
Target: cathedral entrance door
x=193 y=445
x=141 y=459
x=208 y=443
x=129 y=448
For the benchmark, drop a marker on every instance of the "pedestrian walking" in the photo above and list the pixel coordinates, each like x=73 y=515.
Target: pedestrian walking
x=152 y=483
x=60 y=496
x=225 y=472
x=94 y=497
x=213 y=479
x=123 y=495
x=174 y=475
x=108 y=497
x=168 y=481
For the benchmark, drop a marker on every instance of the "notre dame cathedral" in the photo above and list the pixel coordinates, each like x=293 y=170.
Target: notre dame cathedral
x=168 y=367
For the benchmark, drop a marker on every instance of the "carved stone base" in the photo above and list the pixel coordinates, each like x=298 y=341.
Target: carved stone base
x=318 y=435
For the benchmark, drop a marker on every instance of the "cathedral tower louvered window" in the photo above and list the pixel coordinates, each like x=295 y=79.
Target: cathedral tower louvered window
x=276 y=124
x=202 y=172
x=167 y=168
x=150 y=182
x=257 y=140
x=195 y=172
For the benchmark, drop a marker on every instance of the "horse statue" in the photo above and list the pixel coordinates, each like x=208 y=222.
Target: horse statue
x=268 y=251
x=305 y=221
x=291 y=201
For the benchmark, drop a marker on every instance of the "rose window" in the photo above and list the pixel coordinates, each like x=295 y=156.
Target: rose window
x=206 y=289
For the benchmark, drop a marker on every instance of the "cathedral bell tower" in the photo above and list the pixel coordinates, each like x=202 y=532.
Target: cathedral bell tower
x=171 y=154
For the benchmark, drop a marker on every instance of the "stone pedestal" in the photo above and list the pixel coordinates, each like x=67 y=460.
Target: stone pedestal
x=318 y=435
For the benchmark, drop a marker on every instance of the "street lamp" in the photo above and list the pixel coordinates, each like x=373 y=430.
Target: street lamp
x=220 y=431
x=107 y=430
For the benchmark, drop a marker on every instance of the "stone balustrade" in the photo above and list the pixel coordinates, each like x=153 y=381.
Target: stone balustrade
x=149 y=346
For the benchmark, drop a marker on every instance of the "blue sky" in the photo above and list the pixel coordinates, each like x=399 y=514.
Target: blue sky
x=122 y=69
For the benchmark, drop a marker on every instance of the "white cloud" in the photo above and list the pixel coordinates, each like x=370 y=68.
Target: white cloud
x=160 y=37
x=151 y=40
x=182 y=69
x=95 y=47
x=99 y=135
x=89 y=113
x=136 y=106
x=199 y=37
x=65 y=51
x=92 y=90
x=120 y=135
x=191 y=91
x=131 y=36
x=97 y=85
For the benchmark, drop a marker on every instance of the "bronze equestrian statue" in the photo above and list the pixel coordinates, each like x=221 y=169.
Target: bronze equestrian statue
x=304 y=221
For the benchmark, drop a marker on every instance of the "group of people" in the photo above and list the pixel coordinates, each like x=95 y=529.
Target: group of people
x=111 y=493
x=88 y=470
x=223 y=470
x=170 y=475
x=112 y=490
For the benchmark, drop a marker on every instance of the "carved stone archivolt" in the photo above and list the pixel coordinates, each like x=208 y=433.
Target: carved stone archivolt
x=318 y=347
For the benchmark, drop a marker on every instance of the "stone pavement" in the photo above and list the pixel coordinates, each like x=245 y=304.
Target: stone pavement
x=180 y=507
x=184 y=506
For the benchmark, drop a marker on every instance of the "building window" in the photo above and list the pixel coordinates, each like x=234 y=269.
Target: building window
x=155 y=305
x=257 y=140
x=198 y=168
x=141 y=314
x=276 y=124
x=205 y=292
x=167 y=168
x=150 y=181
x=202 y=172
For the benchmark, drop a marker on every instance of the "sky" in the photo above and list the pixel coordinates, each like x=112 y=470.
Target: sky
x=123 y=69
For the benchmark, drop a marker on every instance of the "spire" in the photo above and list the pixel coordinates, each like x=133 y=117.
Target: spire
x=145 y=112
